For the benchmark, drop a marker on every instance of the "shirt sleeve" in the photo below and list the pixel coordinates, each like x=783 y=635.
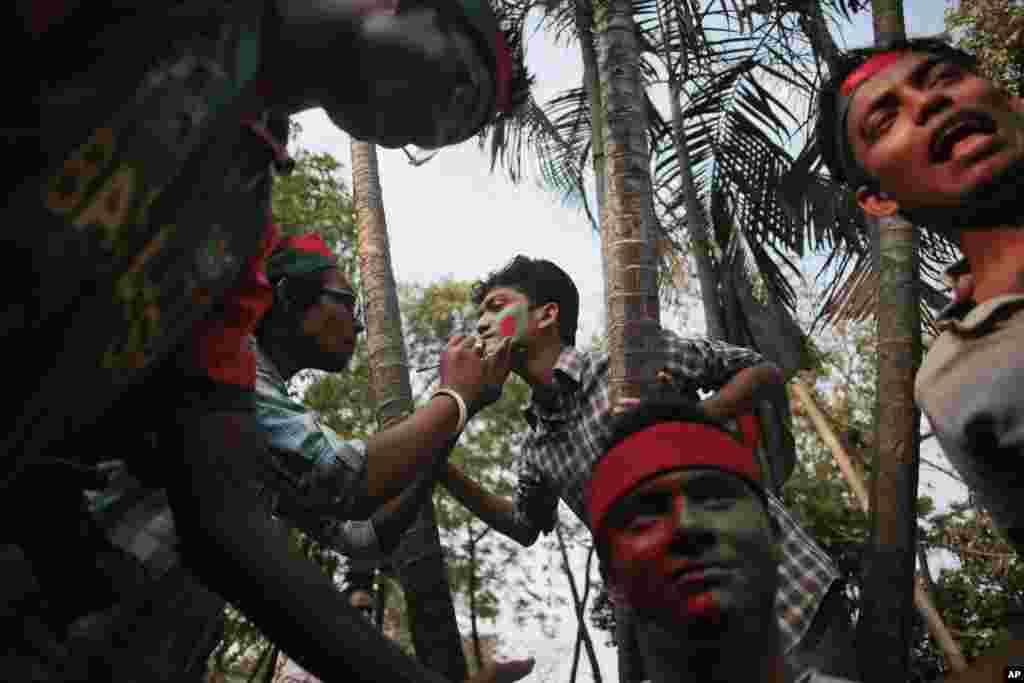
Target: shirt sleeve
x=535 y=502
x=331 y=471
x=705 y=364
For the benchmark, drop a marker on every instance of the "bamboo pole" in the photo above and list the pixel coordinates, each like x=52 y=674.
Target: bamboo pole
x=922 y=600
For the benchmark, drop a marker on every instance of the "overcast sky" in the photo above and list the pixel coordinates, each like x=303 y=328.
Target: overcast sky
x=452 y=217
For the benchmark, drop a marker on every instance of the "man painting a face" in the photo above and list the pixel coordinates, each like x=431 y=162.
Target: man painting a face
x=687 y=543
x=916 y=131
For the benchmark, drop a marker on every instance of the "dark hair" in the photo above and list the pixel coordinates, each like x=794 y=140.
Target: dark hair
x=541 y=282
x=654 y=411
x=826 y=126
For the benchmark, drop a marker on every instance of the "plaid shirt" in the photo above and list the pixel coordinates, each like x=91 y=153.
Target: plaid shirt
x=569 y=435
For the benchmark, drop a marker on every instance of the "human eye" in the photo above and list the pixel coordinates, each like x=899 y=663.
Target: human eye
x=714 y=493
x=645 y=512
x=880 y=123
x=946 y=73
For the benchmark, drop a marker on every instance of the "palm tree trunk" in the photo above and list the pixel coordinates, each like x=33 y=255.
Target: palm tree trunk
x=884 y=628
x=922 y=598
x=584 y=19
x=628 y=238
x=418 y=559
x=696 y=219
x=627 y=222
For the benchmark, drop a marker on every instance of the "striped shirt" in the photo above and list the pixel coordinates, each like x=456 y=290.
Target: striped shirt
x=320 y=476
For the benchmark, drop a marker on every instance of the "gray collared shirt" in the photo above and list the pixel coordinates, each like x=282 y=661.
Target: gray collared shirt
x=971 y=387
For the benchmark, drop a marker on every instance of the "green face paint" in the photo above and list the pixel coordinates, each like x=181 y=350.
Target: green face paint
x=511 y=322
x=702 y=518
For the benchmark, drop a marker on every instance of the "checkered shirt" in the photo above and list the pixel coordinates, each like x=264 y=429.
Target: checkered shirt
x=571 y=433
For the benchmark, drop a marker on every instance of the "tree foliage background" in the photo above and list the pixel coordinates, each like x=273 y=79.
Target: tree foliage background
x=729 y=120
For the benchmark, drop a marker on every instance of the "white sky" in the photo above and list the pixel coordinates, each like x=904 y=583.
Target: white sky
x=452 y=217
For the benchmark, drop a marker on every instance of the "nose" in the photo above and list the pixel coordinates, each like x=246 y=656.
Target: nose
x=927 y=103
x=691 y=536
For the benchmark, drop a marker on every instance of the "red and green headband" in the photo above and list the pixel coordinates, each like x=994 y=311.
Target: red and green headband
x=480 y=16
x=847 y=90
x=300 y=255
x=664 y=447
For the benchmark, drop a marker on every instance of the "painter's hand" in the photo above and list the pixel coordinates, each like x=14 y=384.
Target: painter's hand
x=496 y=370
x=462 y=369
x=503 y=672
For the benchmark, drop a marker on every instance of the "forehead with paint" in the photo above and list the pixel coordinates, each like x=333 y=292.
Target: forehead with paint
x=924 y=129
x=866 y=92
x=682 y=524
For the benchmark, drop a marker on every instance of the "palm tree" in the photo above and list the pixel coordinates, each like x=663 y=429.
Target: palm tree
x=885 y=626
x=628 y=226
x=419 y=559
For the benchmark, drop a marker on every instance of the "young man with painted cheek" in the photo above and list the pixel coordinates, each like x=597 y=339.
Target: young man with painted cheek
x=916 y=131
x=569 y=416
x=688 y=545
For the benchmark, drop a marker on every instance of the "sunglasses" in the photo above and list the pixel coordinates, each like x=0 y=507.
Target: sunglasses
x=348 y=298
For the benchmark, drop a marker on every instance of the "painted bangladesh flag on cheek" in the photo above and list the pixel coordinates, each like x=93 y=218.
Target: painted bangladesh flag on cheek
x=511 y=322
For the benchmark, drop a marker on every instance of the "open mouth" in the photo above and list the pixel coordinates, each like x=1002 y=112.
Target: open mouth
x=958 y=133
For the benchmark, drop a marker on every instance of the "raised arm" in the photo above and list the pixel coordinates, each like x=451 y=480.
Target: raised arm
x=396 y=456
x=739 y=377
x=742 y=393
x=493 y=510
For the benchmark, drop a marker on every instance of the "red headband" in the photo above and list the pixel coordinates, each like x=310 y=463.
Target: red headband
x=665 y=446
x=867 y=70
x=309 y=242
x=502 y=74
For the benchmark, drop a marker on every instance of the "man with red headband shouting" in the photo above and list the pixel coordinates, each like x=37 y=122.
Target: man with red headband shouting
x=915 y=130
x=688 y=543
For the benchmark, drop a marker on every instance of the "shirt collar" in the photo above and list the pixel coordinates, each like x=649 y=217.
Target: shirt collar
x=567 y=372
x=966 y=317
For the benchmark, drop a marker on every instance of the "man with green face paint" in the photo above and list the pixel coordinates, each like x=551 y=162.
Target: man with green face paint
x=687 y=543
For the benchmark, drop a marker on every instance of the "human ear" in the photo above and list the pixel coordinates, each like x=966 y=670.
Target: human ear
x=548 y=314
x=876 y=203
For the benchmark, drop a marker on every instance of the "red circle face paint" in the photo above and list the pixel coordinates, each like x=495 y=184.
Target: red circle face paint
x=511 y=322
